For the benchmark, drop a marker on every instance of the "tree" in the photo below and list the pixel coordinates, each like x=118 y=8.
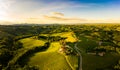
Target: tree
x=5 y=56
x=116 y=40
x=117 y=66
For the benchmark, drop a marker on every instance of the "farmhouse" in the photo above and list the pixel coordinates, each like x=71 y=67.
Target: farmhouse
x=64 y=48
x=95 y=53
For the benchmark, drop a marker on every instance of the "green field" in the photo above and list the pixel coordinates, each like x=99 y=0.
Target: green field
x=30 y=42
x=60 y=47
x=51 y=59
x=70 y=36
x=93 y=62
x=73 y=60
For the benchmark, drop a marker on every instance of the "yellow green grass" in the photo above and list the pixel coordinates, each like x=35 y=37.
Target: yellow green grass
x=30 y=42
x=50 y=59
x=73 y=61
x=70 y=36
x=92 y=62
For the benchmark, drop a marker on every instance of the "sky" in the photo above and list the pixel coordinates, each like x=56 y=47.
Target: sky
x=59 y=11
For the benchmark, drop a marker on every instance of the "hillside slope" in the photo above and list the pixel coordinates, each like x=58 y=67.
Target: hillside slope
x=50 y=59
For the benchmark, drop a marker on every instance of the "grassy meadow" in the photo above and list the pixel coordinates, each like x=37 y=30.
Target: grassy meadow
x=92 y=62
x=51 y=59
x=30 y=42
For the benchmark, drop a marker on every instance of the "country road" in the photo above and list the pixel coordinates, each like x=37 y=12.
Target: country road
x=80 y=56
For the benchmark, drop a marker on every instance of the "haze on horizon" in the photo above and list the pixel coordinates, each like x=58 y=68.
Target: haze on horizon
x=59 y=11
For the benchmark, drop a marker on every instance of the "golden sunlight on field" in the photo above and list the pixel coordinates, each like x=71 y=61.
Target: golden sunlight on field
x=70 y=36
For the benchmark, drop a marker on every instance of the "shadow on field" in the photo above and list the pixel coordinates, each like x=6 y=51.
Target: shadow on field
x=22 y=61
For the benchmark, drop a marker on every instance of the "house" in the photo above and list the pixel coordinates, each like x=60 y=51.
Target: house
x=95 y=53
x=101 y=53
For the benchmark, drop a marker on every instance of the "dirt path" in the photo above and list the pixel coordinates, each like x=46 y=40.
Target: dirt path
x=80 y=56
x=69 y=63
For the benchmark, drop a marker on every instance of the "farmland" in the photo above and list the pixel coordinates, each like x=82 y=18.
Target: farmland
x=51 y=58
x=56 y=47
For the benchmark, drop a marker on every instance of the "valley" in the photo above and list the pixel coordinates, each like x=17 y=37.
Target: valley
x=60 y=47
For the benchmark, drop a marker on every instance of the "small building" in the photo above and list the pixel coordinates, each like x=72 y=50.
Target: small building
x=62 y=49
x=65 y=49
x=97 y=53
x=101 y=53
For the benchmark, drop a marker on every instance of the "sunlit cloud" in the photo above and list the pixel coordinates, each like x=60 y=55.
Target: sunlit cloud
x=62 y=11
x=18 y=9
x=62 y=18
x=50 y=19
x=57 y=13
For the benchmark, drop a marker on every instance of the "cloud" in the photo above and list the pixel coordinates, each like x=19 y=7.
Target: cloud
x=65 y=19
x=42 y=5
x=4 y=7
x=54 y=19
x=58 y=16
x=57 y=13
x=18 y=9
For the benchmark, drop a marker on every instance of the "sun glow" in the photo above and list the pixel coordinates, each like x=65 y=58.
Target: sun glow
x=2 y=10
x=37 y=11
x=5 y=10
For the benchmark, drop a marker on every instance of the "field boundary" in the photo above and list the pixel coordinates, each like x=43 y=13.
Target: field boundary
x=69 y=63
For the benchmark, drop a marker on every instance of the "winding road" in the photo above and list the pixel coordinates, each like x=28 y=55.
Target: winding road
x=80 y=56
